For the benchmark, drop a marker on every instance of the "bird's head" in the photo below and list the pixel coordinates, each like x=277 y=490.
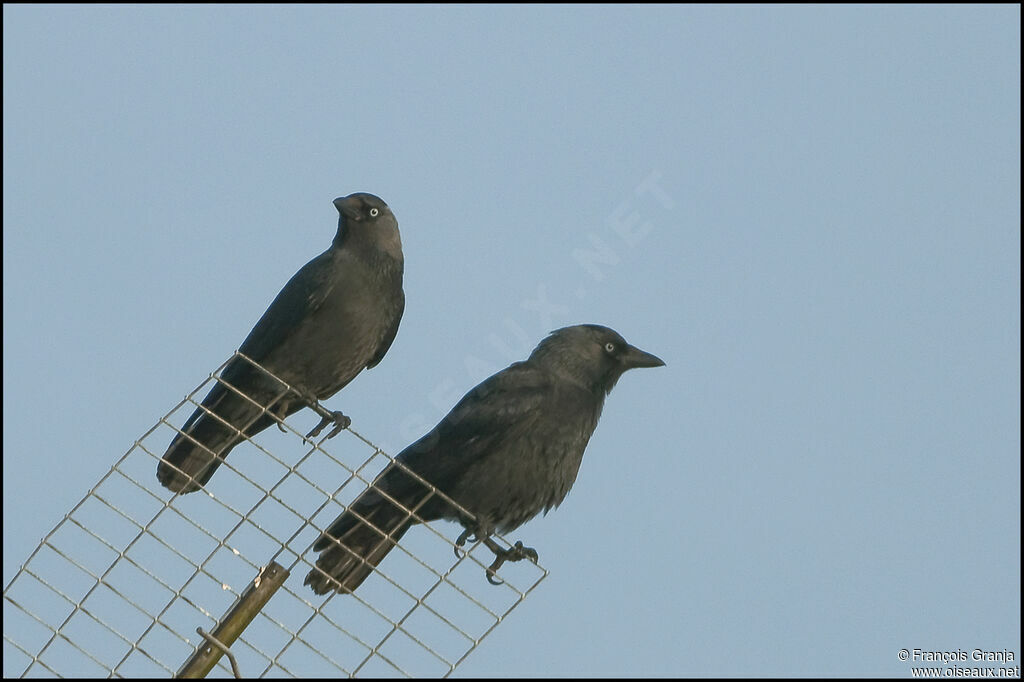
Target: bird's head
x=591 y=354
x=366 y=219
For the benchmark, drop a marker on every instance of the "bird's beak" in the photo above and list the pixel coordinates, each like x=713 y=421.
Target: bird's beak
x=634 y=357
x=347 y=207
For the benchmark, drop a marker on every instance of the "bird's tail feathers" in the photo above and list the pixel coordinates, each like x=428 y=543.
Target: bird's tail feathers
x=211 y=432
x=195 y=453
x=354 y=545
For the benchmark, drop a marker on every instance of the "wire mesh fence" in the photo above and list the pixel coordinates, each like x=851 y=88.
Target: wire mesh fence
x=121 y=584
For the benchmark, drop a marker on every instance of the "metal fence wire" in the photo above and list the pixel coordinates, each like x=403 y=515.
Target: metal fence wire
x=121 y=584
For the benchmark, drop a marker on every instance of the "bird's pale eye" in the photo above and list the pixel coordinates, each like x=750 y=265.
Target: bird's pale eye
x=374 y=212
x=610 y=347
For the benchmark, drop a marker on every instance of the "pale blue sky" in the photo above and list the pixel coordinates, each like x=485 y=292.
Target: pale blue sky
x=825 y=253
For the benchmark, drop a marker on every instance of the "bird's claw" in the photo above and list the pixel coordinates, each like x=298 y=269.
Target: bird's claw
x=340 y=421
x=491 y=572
x=461 y=542
x=528 y=552
x=515 y=553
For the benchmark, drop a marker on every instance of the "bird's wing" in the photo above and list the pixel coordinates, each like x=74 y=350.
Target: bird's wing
x=500 y=407
x=389 y=338
x=298 y=300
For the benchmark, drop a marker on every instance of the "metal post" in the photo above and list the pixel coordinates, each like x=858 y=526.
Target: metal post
x=236 y=620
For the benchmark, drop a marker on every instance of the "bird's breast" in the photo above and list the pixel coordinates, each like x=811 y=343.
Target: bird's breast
x=342 y=334
x=526 y=473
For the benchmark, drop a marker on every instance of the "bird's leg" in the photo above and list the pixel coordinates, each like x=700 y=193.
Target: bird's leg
x=280 y=415
x=278 y=409
x=515 y=553
x=461 y=542
x=340 y=421
x=327 y=417
x=501 y=555
x=472 y=530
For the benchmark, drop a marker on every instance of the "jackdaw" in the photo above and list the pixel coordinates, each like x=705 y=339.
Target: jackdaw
x=507 y=451
x=334 y=317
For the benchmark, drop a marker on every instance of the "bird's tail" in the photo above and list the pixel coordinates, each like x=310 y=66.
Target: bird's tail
x=207 y=437
x=357 y=542
x=195 y=454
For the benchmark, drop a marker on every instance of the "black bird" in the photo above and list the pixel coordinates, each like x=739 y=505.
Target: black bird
x=507 y=451
x=334 y=317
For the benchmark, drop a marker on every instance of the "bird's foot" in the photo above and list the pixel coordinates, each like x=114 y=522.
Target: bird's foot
x=327 y=417
x=278 y=412
x=340 y=421
x=515 y=553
